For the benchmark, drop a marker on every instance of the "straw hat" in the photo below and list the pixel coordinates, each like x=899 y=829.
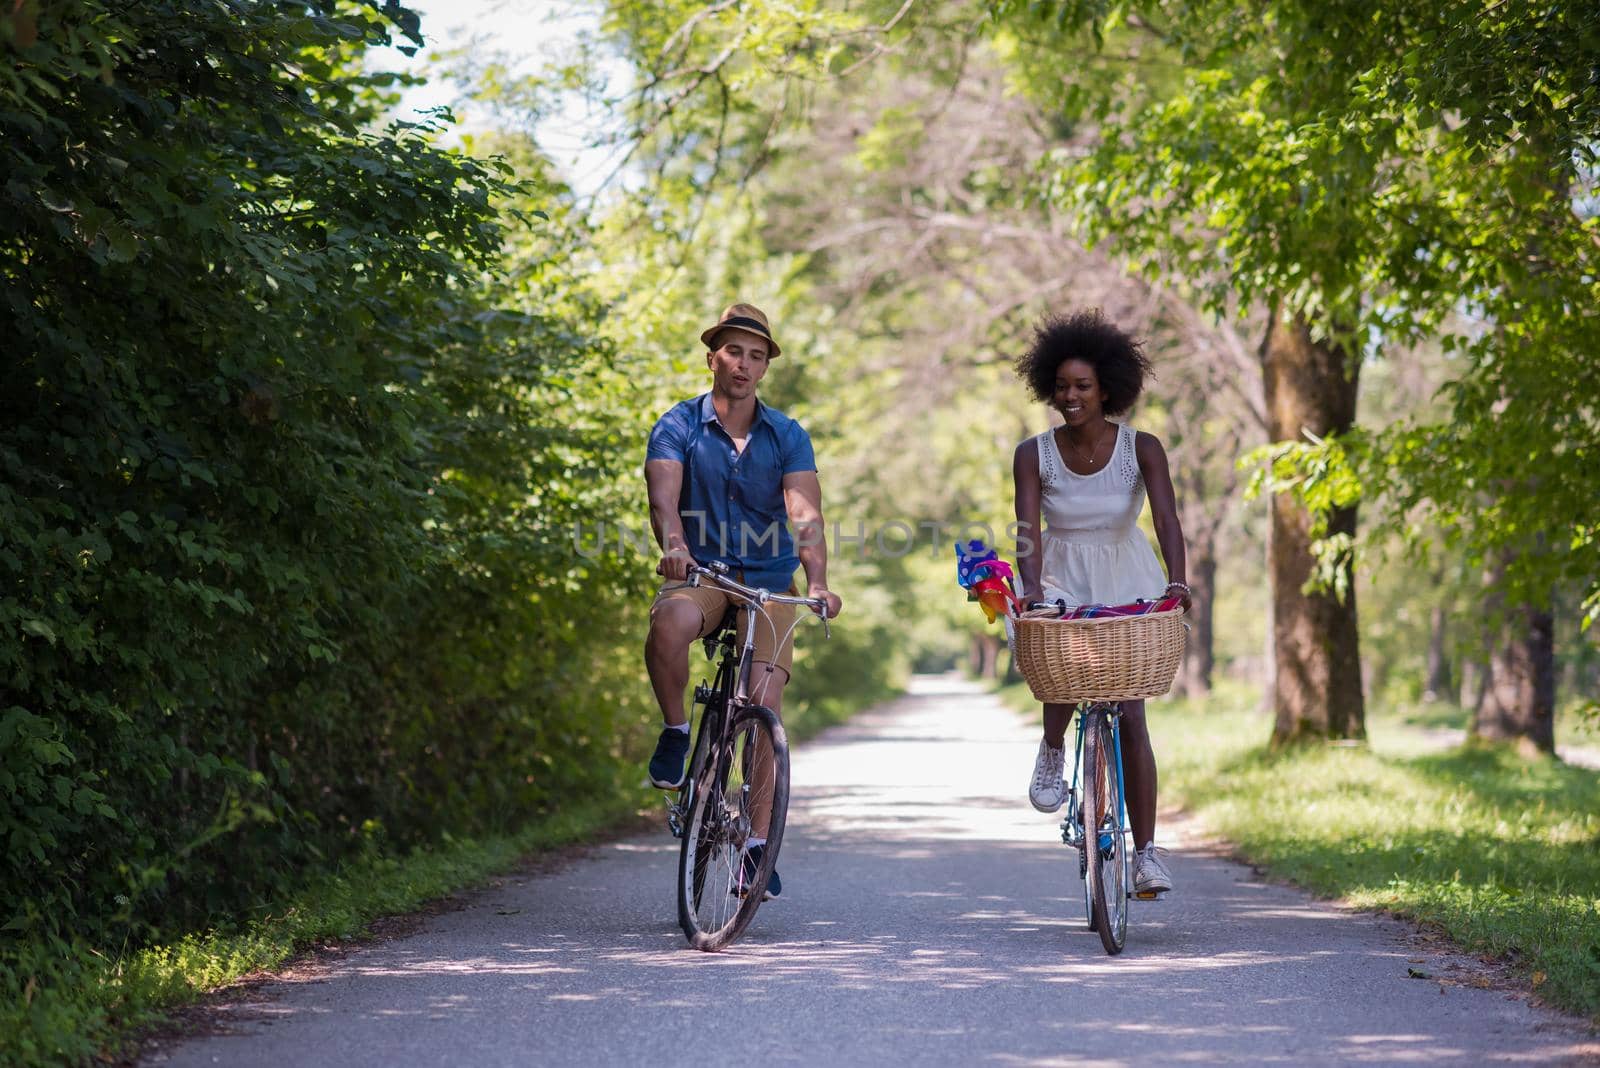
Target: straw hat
x=746 y=317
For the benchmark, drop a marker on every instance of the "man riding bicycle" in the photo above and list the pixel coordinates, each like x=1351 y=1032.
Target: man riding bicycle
x=728 y=477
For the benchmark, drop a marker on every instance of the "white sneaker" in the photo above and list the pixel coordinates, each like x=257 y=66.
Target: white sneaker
x=1150 y=876
x=1048 y=789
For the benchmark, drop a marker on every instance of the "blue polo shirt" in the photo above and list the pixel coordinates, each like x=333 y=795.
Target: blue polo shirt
x=732 y=502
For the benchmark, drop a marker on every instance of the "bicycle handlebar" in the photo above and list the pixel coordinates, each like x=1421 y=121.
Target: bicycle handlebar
x=1062 y=606
x=717 y=573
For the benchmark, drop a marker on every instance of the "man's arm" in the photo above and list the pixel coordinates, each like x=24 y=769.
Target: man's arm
x=802 y=497
x=664 y=481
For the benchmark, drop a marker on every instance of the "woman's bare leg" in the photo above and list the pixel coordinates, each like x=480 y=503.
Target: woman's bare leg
x=1139 y=773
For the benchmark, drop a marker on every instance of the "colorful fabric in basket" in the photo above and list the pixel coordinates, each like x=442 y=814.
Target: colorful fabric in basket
x=1137 y=608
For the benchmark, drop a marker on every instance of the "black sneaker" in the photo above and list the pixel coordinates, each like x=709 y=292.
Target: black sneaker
x=668 y=764
x=752 y=865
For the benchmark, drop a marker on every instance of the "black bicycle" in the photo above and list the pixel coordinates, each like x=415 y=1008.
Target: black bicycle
x=738 y=771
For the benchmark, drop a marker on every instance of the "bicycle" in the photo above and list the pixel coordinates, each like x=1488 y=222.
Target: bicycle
x=1087 y=667
x=1096 y=798
x=739 y=756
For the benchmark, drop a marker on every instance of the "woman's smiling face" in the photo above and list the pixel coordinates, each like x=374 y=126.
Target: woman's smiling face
x=1078 y=396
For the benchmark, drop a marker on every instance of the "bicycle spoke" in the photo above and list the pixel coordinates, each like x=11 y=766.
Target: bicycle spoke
x=745 y=796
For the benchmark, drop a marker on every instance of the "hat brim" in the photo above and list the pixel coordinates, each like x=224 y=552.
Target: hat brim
x=754 y=331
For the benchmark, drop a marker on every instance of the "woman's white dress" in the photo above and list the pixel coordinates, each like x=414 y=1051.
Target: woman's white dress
x=1093 y=549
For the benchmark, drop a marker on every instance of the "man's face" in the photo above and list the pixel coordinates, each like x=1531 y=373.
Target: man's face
x=737 y=363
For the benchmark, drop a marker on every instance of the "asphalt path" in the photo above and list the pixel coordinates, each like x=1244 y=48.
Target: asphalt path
x=929 y=916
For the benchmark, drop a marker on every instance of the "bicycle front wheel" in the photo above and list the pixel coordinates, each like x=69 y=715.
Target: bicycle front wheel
x=1107 y=875
x=720 y=883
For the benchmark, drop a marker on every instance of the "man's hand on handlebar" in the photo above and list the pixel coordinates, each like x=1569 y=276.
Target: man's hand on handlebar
x=821 y=592
x=675 y=564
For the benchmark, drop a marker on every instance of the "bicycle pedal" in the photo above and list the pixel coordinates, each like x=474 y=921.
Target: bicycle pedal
x=1148 y=895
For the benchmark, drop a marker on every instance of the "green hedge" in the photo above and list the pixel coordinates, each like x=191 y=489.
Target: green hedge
x=285 y=475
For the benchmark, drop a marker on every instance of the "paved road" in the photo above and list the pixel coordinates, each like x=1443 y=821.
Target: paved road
x=929 y=917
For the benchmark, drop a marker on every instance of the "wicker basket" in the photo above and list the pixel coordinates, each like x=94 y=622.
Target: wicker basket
x=1112 y=658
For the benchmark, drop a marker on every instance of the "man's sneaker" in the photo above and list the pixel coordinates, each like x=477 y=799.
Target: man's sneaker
x=747 y=875
x=1048 y=789
x=1150 y=876
x=668 y=765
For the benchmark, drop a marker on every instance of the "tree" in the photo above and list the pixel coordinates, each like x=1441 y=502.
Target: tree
x=1317 y=687
x=1206 y=169
x=1503 y=119
x=934 y=262
x=1372 y=170
x=280 y=486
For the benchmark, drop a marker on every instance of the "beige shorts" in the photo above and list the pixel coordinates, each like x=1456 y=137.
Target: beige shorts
x=713 y=604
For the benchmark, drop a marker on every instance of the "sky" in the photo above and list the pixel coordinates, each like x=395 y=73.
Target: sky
x=524 y=34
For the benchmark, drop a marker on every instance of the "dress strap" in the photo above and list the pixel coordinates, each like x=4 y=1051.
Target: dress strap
x=1127 y=457
x=1047 y=458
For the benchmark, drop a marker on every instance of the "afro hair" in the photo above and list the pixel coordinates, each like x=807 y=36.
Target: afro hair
x=1118 y=360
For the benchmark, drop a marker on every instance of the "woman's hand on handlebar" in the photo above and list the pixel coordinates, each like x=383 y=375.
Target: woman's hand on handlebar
x=675 y=564
x=822 y=593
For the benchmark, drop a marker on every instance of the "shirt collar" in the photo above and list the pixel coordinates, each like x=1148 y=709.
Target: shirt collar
x=708 y=411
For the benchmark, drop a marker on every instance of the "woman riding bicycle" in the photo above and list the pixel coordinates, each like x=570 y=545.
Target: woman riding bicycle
x=1090 y=477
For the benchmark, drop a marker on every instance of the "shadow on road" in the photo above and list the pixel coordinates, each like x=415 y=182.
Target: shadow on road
x=929 y=916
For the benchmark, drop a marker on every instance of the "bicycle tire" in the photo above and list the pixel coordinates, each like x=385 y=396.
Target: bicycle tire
x=1103 y=808
x=716 y=902
x=1075 y=814
x=1088 y=894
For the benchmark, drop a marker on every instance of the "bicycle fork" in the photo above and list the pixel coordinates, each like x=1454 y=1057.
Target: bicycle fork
x=1072 y=826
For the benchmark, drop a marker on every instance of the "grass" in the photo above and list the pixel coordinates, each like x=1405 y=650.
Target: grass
x=71 y=1008
x=1500 y=853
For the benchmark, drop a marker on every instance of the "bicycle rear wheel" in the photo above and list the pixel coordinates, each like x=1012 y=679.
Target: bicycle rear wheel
x=719 y=885
x=1107 y=875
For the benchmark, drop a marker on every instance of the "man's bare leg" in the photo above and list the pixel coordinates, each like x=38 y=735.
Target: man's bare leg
x=765 y=689
x=675 y=623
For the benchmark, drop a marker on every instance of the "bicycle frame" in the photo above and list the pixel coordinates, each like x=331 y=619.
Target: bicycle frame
x=732 y=682
x=1073 y=833
x=1069 y=832
x=717 y=699
x=754 y=601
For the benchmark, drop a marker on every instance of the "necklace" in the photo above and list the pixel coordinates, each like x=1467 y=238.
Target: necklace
x=1093 y=453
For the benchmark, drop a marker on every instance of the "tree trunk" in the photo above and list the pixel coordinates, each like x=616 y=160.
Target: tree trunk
x=1474 y=676
x=1316 y=684
x=1199 y=657
x=1519 y=694
x=1519 y=700
x=1439 y=686
x=985 y=656
x=1013 y=673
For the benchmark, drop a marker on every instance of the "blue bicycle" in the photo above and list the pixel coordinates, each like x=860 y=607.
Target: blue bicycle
x=1096 y=800
x=1093 y=660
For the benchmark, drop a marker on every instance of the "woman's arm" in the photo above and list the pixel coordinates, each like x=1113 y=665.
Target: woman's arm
x=1025 y=474
x=1163 y=509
